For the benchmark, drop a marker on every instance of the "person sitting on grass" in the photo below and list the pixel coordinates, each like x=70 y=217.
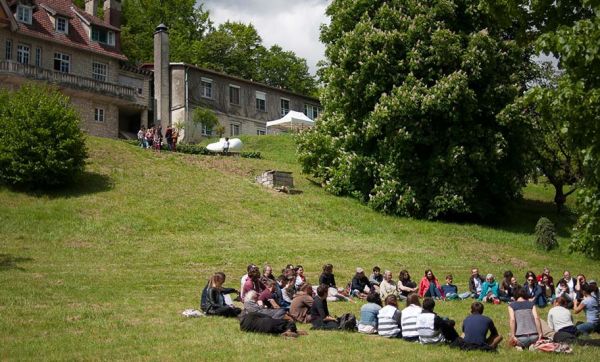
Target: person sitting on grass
x=368 y=314
x=505 y=289
x=360 y=285
x=560 y=320
x=409 y=318
x=475 y=283
x=489 y=290
x=525 y=325
x=267 y=274
x=267 y=297
x=387 y=286
x=245 y=278
x=252 y=305
x=562 y=290
x=301 y=304
x=590 y=304
x=376 y=277
x=534 y=291
x=581 y=282
x=405 y=284
x=280 y=293
x=475 y=331
x=213 y=298
x=261 y=323
x=319 y=313
x=300 y=278
x=328 y=279
x=253 y=281
x=451 y=291
x=432 y=328
x=389 y=319
x=430 y=286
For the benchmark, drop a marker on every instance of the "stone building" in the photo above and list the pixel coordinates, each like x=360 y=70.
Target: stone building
x=242 y=106
x=54 y=41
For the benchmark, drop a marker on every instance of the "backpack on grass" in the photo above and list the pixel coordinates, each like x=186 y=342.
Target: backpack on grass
x=347 y=322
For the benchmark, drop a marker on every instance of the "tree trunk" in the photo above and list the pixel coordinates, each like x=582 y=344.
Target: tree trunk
x=559 y=197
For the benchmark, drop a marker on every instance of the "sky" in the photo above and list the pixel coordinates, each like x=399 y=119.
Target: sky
x=292 y=24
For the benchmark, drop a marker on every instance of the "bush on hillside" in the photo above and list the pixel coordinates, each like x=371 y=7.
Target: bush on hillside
x=41 y=145
x=251 y=154
x=545 y=234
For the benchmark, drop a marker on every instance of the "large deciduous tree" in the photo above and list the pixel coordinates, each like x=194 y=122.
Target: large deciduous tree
x=412 y=90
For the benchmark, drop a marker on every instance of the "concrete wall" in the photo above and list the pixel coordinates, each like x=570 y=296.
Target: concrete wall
x=244 y=114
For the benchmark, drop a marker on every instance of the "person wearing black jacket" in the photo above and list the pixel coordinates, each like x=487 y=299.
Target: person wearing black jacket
x=212 y=301
x=319 y=313
x=327 y=276
x=360 y=282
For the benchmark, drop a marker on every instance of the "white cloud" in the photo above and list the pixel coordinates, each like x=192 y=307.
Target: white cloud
x=293 y=25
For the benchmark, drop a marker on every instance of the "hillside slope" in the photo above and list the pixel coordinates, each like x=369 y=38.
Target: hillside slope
x=103 y=270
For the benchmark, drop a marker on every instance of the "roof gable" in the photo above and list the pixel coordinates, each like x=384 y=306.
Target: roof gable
x=6 y=17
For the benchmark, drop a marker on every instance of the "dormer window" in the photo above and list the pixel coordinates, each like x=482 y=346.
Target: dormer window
x=103 y=36
x=24 y=14
x=62 y=25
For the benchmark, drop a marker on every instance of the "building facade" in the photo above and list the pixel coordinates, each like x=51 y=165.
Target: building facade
x=54 y=41
x=242 y=106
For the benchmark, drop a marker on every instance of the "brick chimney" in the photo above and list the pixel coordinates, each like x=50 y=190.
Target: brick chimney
x=162 y=77
x=112 y=12
x=91 y=7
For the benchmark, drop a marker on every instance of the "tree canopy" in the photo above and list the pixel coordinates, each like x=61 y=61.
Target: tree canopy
x=232 y=47
x=412 y=90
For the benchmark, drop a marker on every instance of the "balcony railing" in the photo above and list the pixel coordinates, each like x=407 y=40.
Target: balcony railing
x=71 y=80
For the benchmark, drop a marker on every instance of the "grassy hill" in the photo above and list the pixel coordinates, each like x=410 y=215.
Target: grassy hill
x=103 y=270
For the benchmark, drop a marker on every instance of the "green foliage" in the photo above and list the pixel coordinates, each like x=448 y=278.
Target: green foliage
x=251 y=154
x=551 y=150
x=545 y=234
x=575 y=101
x=234 y=48
x=41 y=145
x=412 y=90
x=193 y=149
x=204 y=116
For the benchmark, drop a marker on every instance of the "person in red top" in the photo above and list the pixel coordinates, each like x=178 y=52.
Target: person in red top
x=547 y=273
x=430 y=286
x=253 y=281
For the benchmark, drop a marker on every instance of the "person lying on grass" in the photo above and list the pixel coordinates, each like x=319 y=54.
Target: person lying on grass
x=213 y=298
x=260 y=323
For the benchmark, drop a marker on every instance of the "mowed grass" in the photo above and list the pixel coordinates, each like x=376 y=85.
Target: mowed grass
x=103 y=270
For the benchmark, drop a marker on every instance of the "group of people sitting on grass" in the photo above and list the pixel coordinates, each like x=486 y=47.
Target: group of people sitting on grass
x=275 y=304
x=153 y=138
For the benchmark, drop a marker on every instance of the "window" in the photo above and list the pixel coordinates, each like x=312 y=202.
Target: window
x=206 y=131
x=285 y=106
x=311 y=111
x=234 y=129
x=99 y=71
x=23 y=54
x=62 y=62
x=261 y=101
x=103 y=36
x=24 y=14
x=38 y=57
x=140 y=91
x=62 y=25
x=234 y=94
x=8 y=50
x=261 y=132
x=99 y=115
x=206 y=87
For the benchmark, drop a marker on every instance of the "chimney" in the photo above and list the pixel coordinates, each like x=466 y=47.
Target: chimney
x=112 y=12
x=162 y=76
x=91 y=7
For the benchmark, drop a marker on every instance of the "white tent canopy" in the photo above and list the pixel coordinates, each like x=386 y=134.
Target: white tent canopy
x=292 y=120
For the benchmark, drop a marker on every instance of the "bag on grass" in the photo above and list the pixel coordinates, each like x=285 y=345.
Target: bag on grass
x=347 y=322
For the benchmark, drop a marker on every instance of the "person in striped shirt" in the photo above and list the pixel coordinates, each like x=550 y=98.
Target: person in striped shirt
x=409 y=318
x=389 y=319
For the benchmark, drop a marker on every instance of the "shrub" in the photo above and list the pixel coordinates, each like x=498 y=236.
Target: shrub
x=41 y=145
x=545 y=234
x=251 y=154
x=192 y=149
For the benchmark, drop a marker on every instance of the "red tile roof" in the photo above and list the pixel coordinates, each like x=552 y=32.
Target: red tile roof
x=41 y=27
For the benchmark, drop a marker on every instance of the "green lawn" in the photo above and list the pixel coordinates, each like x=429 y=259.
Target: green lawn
x=103 y=270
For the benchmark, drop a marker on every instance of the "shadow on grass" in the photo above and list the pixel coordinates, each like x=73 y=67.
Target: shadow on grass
x=86 y=184
x=9 y=262
x=524 y=215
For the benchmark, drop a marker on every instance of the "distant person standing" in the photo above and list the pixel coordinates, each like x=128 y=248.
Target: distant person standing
x=226 y=146
x=169 y=137
x=141 y=136
x=175 y=138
